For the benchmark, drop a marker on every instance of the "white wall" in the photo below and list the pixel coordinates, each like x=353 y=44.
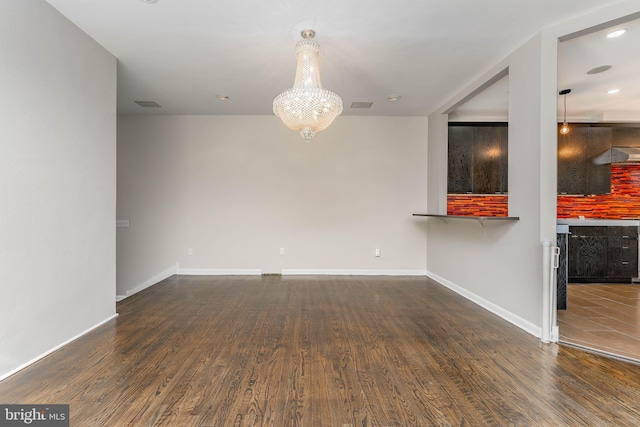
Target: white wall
x=236 y=189
x=437 y=164
x=500 y=266
x=57 y=182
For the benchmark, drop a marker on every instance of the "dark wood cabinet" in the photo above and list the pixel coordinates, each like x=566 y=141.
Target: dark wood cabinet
x=562 y=273
x=478 y=158
x=588 y=252
x=571 y=161
x=460 y=160
x=578 y=173
x=623 y=252
x=598 y=176
x=603 y=254
x=625 y=136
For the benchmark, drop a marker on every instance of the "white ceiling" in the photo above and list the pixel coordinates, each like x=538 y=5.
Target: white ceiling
x=588 y=100
x=181 y=53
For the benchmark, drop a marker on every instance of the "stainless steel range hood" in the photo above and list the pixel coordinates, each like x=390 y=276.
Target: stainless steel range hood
x=618 y=155
x=625 y=155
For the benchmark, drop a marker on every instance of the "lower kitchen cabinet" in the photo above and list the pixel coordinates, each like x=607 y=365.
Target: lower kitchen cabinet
x=588 y=253
x=562 y=273
x=623 y=252
x=603 y=254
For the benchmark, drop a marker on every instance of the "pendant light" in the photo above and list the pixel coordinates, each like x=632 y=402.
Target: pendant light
x=564 y=129
x=307 y=107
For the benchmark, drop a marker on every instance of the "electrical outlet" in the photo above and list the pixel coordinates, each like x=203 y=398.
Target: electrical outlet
x=377 y=253
x=190 y=251
x=281 y=251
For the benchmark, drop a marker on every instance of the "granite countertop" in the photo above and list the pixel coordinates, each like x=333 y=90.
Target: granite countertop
x=599 y=222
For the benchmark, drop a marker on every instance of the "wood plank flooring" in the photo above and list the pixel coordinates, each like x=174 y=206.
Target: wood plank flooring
x=603 y=317
x=322 y=351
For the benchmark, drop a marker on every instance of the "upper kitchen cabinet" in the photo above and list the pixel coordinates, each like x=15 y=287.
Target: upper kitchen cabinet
x=626 y=135
x=578 y=172
x=460 y=160
x=477 y=158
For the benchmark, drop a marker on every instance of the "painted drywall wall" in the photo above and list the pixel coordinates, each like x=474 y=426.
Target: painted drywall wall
x=236 y=189
x=500 y=265
x=57 y=181
x=151 y=197
x=437 y=161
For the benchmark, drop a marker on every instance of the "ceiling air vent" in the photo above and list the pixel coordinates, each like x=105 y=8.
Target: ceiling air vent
x=361 y=104
x=148 y=104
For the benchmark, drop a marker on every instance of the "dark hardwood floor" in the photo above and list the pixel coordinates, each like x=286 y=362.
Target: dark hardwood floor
x=322 y=351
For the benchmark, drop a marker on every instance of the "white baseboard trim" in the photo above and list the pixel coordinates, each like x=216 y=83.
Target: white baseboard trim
x=150 y=282
x=514 y=319
x=48 y=352
x=338 y=272
x=219 y=271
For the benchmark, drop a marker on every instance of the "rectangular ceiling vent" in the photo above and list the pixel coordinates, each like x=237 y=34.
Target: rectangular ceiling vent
x=361 y=104
x=148 y=104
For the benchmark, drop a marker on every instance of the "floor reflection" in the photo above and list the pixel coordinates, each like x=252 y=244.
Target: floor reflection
x=603 y=317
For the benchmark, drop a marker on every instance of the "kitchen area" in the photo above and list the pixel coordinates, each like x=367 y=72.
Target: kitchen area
x=598 y=203
x=598 y=220
x=598 y=210
x=598 y=183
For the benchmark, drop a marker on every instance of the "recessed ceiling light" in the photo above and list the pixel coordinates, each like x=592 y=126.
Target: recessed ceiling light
x=150 y=1
x=394 y=97
x=613 y=91
x=616 y=33
x=600 y=69
x=222 y=97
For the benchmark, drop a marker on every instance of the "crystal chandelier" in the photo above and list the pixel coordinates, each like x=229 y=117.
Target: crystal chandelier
x=307 y=107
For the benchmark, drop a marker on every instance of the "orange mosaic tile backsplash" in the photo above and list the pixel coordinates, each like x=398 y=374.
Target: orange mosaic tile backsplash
x=478 y=205
x=622 y=203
